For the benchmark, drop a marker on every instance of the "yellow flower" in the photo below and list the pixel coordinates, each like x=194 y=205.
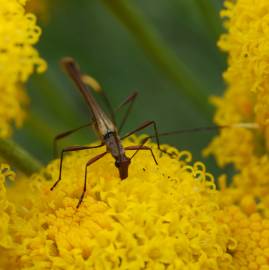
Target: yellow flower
x=233 y=145
x=160 y=217
x=18 y=59
x=245 y=202
x=247 y=96
x=247 y=43
x=245 y=100
x=252 y=237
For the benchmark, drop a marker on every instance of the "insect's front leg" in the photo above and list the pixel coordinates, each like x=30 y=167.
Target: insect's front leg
x=141 y=147
x=156 y=135
x=71 y=149
x=91 y=161
x=143 y=126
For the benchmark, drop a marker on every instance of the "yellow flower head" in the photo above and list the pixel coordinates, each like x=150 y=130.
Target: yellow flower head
x=160 y=217
x=245 y=100
x=247 y=96
x=18 y=58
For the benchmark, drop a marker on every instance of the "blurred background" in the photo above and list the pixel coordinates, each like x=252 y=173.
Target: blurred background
x=130 y=45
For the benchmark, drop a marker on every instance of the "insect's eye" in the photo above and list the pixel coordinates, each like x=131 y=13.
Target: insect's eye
x=117 y=164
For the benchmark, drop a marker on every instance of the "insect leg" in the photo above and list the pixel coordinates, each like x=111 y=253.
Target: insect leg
x=71 y=149
x=65 y=134
x=141 y=147
x=130 y=99
x=141 y=127
x=91 y=161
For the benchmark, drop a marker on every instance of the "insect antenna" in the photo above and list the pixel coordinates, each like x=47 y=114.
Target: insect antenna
x=200 y=129
x=208 y=128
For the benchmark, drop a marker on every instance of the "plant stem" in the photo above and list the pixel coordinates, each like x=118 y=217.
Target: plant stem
x=155 y=47
x=18 y=157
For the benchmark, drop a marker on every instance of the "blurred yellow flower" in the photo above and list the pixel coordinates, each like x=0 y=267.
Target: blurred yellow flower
x=161 y=217
x=247 y=43
x=245 y=100
x=18 y=59
x=247 y=96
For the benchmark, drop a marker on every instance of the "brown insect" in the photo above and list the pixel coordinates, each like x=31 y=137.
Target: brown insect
x=107 y=130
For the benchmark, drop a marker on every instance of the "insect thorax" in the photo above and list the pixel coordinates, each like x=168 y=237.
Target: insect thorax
x=113 y=144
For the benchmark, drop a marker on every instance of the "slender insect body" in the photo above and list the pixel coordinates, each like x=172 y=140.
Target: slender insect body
x=103 y=124
x=116 y=149
x=104 y=127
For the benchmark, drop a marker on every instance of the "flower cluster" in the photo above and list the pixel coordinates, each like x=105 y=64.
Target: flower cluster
x=246 y=99
x=245 y=202
x=18 y=58
x=161 y=217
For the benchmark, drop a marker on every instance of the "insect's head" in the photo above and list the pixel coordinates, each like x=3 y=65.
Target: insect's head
x=122 y=163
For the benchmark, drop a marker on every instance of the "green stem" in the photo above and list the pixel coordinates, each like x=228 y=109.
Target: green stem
x=150 y=40
x=18 y=157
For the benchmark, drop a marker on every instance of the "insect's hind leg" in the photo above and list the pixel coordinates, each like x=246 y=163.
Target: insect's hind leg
x=129 y=100
x=65 y=134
